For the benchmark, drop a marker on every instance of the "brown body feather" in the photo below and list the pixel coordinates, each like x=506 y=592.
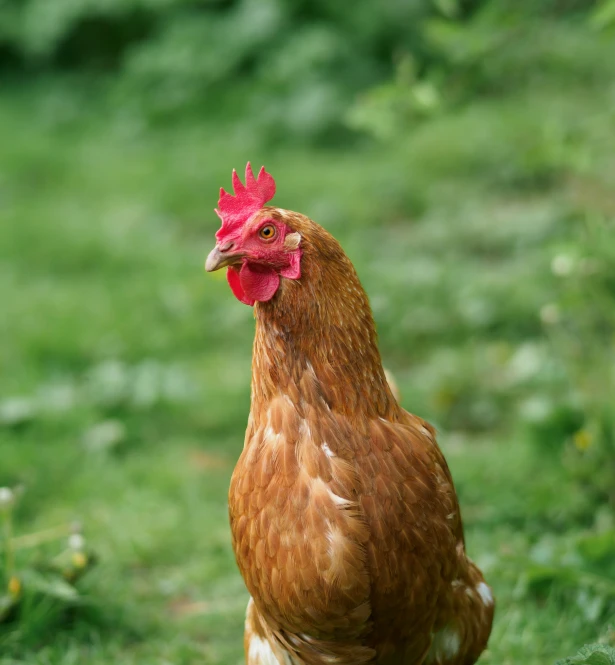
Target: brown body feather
x=345 y=522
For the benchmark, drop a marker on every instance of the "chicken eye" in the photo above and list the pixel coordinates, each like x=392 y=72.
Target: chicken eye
x=267 y=232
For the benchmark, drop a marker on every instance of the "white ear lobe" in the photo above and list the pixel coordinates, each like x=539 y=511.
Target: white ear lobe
x=292 y=240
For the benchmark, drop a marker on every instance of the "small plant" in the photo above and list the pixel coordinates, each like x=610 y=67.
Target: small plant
x=49 y=579
x=11 y=583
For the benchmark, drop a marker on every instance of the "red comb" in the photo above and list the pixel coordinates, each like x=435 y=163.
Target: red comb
x=247 y=199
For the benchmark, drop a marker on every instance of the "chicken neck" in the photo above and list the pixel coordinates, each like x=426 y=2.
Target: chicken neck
x=316 y=341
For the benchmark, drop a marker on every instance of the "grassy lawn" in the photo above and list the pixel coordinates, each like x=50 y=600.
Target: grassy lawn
x=125 y=369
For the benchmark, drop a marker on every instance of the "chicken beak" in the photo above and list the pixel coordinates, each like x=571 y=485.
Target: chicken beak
x=219 y=257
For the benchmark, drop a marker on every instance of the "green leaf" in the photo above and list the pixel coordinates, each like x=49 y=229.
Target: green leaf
x=599 y=659
x=49 y=585
x=591 y=654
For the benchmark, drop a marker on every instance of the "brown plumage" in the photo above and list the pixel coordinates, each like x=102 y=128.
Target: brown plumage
x=345 y=522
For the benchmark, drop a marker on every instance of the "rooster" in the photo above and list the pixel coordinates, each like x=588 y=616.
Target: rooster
x=344 y=518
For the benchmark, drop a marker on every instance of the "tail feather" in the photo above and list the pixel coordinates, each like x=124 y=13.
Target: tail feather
x=463 y=631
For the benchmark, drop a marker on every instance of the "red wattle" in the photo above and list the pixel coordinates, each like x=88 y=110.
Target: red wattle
x=258 y=282
x=253 y=282
x=232 y=276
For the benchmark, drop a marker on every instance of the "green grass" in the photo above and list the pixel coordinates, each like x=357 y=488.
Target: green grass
x=108 y=318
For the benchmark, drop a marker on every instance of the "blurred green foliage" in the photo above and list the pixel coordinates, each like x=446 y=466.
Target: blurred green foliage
x=462 y=152
x=305 y=60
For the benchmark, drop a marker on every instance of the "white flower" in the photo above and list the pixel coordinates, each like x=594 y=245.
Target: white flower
x=76 y=542
x=527 y=361
x=16 y=410
x=535 y=409
x=7 y=497
x=562 y=265
x=104 y=435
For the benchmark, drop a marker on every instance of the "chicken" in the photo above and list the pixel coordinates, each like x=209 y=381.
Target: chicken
x=344 y=518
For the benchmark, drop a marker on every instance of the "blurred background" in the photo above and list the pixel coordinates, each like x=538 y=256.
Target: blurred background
x=462 y=151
